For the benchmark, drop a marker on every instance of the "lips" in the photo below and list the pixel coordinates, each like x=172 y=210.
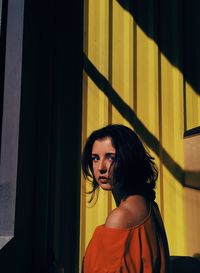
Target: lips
x=103 y=179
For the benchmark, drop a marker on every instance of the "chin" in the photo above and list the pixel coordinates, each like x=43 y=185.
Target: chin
x=106 y=187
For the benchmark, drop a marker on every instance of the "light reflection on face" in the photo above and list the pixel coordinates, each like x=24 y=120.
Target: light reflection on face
x=103 y=155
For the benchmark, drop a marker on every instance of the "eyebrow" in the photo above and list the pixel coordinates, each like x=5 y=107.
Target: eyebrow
x=111 y=153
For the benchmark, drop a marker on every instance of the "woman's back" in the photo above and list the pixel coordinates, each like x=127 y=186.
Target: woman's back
x=141 y=248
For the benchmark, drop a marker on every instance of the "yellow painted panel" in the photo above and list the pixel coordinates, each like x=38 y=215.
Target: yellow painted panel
x=147 y=92
x=192 y=108
x=95 y=108
x=147 y=82
x=172 y=142
x=97 y=34
x=122 y=56
x=122 y=61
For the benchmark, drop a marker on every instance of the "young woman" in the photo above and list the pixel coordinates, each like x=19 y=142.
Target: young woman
x=132 y=239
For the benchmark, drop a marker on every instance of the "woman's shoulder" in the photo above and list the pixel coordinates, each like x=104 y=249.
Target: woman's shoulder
x=131 y=212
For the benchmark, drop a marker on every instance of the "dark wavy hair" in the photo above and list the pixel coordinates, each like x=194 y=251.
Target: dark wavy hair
x=134 y=170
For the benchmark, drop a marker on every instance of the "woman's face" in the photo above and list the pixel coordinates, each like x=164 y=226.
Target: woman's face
x=103 y=155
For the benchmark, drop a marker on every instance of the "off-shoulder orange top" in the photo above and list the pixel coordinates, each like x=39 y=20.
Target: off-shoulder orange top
x=139 y=249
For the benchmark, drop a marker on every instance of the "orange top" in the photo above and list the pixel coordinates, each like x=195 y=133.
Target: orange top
x=139 y=249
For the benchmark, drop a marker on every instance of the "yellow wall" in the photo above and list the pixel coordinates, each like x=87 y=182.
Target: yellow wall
x=129 y=80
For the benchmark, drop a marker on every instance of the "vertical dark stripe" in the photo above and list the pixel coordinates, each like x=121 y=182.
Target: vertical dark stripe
x=135 y=66
x=158 y=35
x=110 y=55
x=183 y=45
x=85 y=78
x=84 y=123
x=84 y=136
x=184 y=105
x=160 y=132
x=110 y=71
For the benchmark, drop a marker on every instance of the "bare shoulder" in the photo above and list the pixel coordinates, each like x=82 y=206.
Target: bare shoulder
x=130 y=213
x=117 y=218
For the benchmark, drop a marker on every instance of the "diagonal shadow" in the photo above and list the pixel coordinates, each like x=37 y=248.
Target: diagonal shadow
x=103 y=84
x=174 y=26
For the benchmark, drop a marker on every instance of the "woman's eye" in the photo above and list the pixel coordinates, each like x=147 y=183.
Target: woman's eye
x=94 y=158
x=111 y=157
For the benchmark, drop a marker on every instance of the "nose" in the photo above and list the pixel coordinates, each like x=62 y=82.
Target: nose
x=102 y=167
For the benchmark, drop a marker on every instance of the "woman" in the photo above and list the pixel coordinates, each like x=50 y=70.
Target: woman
x=133 y=238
